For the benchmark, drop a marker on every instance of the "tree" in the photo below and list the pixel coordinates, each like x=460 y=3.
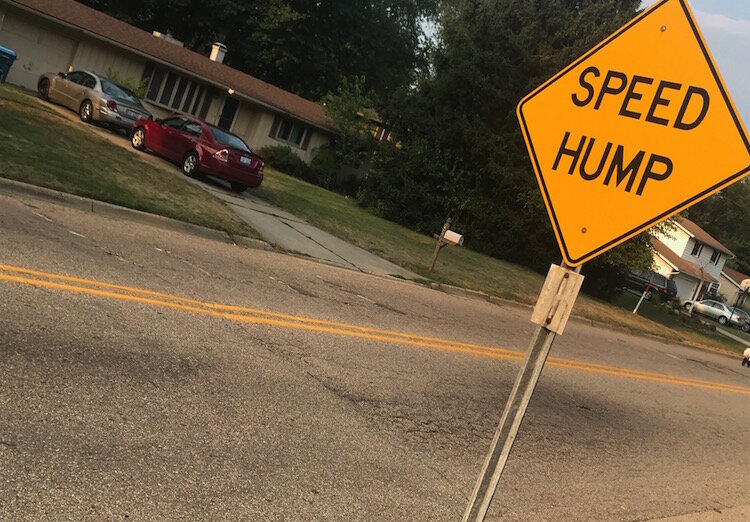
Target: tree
x=462 y=152
x=305 y=46
x=725 y=216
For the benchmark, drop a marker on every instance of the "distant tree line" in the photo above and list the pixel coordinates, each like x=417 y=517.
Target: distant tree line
x=305 y=46
x=726 y=216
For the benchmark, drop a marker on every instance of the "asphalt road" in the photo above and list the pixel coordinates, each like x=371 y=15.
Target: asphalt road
x=149 y=374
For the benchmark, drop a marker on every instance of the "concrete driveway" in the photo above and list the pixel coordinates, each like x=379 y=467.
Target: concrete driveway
x=280 y=228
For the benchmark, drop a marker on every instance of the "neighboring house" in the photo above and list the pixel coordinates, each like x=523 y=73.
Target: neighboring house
x=64 y=35
x=733 y=284
x=691 y=257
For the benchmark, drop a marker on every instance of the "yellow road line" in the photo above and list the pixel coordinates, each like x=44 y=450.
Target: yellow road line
x=241 y=309
x=340 y=329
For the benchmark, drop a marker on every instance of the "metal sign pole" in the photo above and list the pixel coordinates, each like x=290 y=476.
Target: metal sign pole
x=556 y=309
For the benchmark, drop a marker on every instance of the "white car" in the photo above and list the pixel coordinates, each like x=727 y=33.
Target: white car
x=720 y=312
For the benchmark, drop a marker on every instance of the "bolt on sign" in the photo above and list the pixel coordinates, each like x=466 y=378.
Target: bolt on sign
x=638 y=129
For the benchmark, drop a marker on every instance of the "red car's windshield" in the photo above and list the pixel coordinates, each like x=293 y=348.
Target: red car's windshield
x=230 y=140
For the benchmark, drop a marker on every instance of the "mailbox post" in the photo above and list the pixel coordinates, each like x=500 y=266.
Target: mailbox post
x=446 y=237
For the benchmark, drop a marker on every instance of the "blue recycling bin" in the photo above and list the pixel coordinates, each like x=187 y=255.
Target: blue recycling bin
x=7 y=57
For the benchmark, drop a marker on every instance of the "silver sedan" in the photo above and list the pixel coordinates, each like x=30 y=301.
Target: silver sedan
x=96 y=99
x=720 y=312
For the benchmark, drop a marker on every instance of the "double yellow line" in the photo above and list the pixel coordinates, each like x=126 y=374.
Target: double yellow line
x=243 y=314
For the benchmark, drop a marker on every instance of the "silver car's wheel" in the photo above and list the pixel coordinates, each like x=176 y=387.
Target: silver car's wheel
x=138 y=140
x=722 y=320
x=190 y=164
x=43 y=89
x=86 y=112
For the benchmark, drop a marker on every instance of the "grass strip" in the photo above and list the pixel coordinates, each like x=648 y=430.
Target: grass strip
x=40 y=147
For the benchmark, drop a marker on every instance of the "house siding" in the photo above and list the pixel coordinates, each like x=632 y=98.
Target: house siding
x=677 y=241
x=728 y=290
x=39 y=47
x=704 y=259
x=101 y=59
x=662 y=267
x=262 y=138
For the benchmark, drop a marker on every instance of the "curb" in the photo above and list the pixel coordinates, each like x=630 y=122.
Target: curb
x=18 y=188
x=248 y=242
x=462 y=292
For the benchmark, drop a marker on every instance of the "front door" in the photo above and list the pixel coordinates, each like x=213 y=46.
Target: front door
x=227 y=114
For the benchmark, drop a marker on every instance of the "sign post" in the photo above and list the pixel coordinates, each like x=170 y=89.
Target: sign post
x=636 y=130
x=551 y=315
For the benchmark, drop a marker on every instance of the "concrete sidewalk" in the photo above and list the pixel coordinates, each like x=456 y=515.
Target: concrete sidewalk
x=293 y=234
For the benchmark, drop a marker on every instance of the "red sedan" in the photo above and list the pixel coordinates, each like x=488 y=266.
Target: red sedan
x=200 y=148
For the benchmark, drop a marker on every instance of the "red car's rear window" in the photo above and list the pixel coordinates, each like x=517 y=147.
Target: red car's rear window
x=228 y=139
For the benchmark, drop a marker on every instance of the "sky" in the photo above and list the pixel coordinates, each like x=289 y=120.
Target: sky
x=725 y=25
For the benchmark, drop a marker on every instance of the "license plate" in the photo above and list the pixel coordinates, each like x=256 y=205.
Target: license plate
x=245 y=161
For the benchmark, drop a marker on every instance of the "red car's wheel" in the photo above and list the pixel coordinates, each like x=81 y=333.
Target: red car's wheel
x=190 y=164
x=138 y=139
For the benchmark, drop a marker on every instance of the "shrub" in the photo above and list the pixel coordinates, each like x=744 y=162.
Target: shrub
x=324 y=168
x=139 y=88
x=283 y=159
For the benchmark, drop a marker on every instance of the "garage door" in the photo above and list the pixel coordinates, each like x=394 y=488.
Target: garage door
x=39 y=50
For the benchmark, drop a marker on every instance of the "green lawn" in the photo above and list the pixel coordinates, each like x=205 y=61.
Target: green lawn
x=40 y=147
x=345 y=219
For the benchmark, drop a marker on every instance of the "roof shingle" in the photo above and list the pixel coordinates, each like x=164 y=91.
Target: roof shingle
x=735 y=275
x=701 y=235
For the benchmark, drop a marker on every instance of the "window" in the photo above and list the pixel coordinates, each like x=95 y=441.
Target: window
x=228 y=139
x=174 y=123
x=88 y=81
x=713 y=289
x=192 y=128
x=75 y=77
x=198 y=98
x=155 y=86
x=166 y=93
x=116 y=91
x=715 y=257
x=174 y=91
x=180 y=93
x=189 y=98
x=697 y=249
x=291 y=132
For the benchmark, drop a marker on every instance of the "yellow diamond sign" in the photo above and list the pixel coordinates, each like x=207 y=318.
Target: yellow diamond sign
x=638 y=129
